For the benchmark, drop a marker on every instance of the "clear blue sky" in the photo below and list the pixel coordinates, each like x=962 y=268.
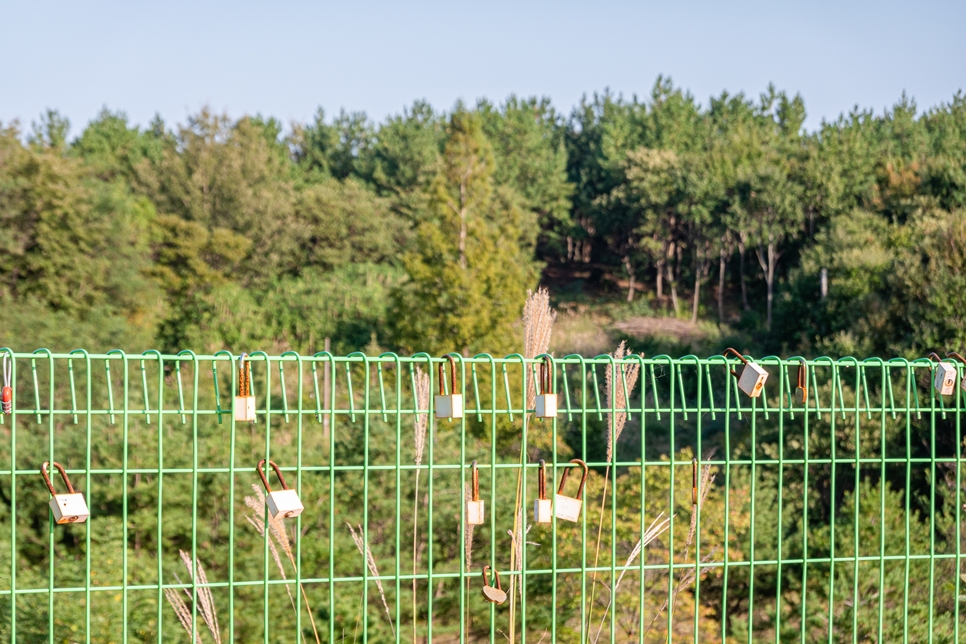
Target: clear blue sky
x=285 y=59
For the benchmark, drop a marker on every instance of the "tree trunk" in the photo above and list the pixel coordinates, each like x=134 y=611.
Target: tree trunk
x=659 y=287
x=630 y=278
x=463 y=225
x=768 y=260
x=697 y=293
x=741 y=271
x=674 y=288
x=721 y=283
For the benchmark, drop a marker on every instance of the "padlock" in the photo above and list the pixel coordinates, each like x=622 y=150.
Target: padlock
x=285 y=502
x=953 y=354
x=546 y=406
x=67 y=508
x=491 y=594
x=801 y=391
x=752 y=378
x=565 y=507
x=474 y=507
x=542 y=508
x=6 y=394
x=944 y=379
x=244 y=406
x=449 y=405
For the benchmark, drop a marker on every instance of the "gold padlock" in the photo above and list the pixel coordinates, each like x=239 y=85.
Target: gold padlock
x=752 y=378
x=546 y=406
x=565 y=507
x=944 y=379
x=474 y=507
x=67 y=508
x=542 y=508
x=491 y=594
x=801 y=391
x=244 y=406
x=284 y=502
x=953 y=354
x=449 y=405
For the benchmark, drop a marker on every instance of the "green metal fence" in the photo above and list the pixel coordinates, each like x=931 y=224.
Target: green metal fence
x=835 y=518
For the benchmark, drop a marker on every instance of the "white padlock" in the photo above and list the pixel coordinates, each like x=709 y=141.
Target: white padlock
x=244 y=404
x=944 y=379
x=493 y=594
x=67 y=508
x=752 y=378
x=474 y=507
x=283 y=503
x=542 y=507
x=546 y=405
x=566 y=507
x=449 y=405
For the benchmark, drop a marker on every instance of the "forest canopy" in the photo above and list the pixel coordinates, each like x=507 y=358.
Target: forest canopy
x=424 y=232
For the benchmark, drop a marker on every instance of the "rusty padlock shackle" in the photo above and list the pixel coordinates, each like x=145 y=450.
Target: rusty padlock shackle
x=63 y=475
x=737 y=355
x=803 y=379
x=278 y=473
x=953 y=354
x=694 y=481
x=476 y=483
x=583 y=479
x=496 y=575
x=244 y=376
x=938 y=359
x=452 y=376
x=546 y=375
x=542 y=481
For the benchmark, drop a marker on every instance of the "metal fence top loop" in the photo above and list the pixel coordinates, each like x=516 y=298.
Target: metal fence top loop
x=583 y=478
x=452 y=376
x=261 y=474
x=63 y=475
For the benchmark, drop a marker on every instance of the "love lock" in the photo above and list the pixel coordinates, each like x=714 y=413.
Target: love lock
x=6 y=395
x=546 y=406
x=568 y=508
x=944 y=379
x=491 y=594
x=953 y=354
x=284 y=502
x=542 y=509
x=752 y=378
x=244 y=406
x=801 y=391
x=67 y=508
x=449 y=405
x=474 y=507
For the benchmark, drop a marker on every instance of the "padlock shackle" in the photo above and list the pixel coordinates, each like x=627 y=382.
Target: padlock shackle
x=953 y=354
x=452 y=376
x=546 y=375
x=281 y=479
x=476 y=483
x=737 y=355
x=63 y=475
x=6 y=369
x=803 y=379
x=583 y=479
x=694 y=481
x=938 y=359
x=244 y=376
x=542 y=481
x=496 y=575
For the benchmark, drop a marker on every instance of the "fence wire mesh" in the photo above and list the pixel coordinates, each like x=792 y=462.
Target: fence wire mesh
x=707 y=515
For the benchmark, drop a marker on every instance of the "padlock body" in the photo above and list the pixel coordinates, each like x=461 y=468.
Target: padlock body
x=800 y=395
x=244 y=408
x=449 y=406
x=284 y=504
x=494 y=595
x=752 y=379
x=69 y=508
x=546 y=406
x=945 y=379
x=474 y=512
x=542 y=510
x=567 y=508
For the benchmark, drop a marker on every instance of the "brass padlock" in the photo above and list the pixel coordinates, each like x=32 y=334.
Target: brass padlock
x=474 y=507
x=542 y=508
x=801 y=391
x=67 y=508
x=284 y=502
x=953 y=354
x=244 y=406
x=565 y=507
x=546 y=406
x=6 y=395
x=449 y=405
x=491 y=594
x=752 y=378
x=944 y=379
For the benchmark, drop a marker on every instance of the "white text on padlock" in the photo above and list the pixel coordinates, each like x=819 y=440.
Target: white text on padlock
x=284 y=504
x=546 y=406
x=752 y=379
x=69 y=508
x=244 y=408
x=449 y=406
x=474 y=512
x=567 y=508
x=542 y=510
